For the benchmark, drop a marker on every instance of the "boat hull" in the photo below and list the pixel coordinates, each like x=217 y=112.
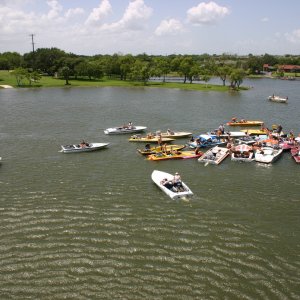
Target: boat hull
x=180 y=155
x=150 y=140
x=267 y=155
x=296 y=154
x=79 y=149
x=124 y=130
x=278 y=99
x=158 y=176
x=176 y=134
x=246 y=123
x=214 y=155
x=167 y=148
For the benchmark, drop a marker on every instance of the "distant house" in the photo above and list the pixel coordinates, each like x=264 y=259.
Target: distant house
x=289 y=68
x=268 y=68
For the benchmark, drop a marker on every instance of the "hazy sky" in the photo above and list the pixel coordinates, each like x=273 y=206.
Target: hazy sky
x=152 y=26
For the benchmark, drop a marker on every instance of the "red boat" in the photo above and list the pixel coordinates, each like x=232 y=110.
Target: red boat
x=296 y=154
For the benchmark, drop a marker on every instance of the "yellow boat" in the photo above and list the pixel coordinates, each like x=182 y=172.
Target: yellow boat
x=166 y=148
x=255 y=131
x=150 y=139
x=175 y=155
x=245 y=123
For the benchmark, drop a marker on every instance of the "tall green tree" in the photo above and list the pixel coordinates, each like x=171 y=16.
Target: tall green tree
x=140 y=71
x=20 y=74
x=223 y=72
x=65 y=72
x=236 y=78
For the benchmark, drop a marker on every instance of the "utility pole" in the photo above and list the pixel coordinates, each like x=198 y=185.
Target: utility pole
x=32 y=42
x=33 y=54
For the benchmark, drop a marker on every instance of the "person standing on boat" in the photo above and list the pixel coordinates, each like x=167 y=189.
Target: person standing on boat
x=159 y=140
x=222 y=128
x=279 y=129
x=177 y=182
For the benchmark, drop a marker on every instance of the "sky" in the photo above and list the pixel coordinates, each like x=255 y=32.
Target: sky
x=154 y=27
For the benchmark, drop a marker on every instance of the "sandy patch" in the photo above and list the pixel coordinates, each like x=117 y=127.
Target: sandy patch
x=5 y=86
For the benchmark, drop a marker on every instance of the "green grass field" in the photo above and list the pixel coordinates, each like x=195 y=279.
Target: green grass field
x=6 y=78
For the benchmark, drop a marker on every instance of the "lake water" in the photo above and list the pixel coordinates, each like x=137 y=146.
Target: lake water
x=94 y=226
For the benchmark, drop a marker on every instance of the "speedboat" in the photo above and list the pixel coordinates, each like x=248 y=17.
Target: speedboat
x=242 y=153
x=214 y=155
x=255 y=131
x=249 y=140
x=286 y=144
x=174 y=134
x=278 y=99
x=174 y=155
x=165 y=148
x=295 y=151
x=206 y=140
x=149 y=139
x=158 y=178
x=124 y=129
x=267 y=155
x=245 y=123
x=87 y=147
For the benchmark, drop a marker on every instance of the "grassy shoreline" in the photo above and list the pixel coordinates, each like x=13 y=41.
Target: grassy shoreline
x=6 y=78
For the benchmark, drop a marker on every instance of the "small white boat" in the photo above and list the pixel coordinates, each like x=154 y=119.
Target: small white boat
x=267 y=155
x=242 y=153
x=83 y=148
x=214 y=155
x=159 y=176
x=174 y=134
x=233 y=134
x=278 y=99
x=125 y=129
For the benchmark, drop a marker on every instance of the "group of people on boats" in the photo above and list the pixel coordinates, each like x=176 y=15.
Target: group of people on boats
x=175 y=184
x=235 y=120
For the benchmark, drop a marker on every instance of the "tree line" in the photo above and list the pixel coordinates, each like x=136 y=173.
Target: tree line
x=55 y=62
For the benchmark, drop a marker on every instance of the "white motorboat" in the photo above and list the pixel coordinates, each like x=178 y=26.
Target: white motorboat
x=125 y=129
x=267 y=155
x=278 y=99
x=86 y=147
x=214 y=155
x=242 y=153
x=174 y=134
x=159 y=176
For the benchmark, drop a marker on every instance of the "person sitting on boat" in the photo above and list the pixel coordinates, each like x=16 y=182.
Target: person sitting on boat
x=147 y=147
x=168 y=184
x=150 y=135
x=233 y=119
x=291 y=137
x=130 y=125
x=177 y=182
x=219 y=154
x=84 y=144
x=170 y=132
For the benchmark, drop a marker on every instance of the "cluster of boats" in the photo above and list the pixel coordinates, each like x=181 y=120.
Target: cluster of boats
x=247 y=145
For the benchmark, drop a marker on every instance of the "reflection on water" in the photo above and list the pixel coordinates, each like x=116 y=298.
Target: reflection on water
x=94 y=226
